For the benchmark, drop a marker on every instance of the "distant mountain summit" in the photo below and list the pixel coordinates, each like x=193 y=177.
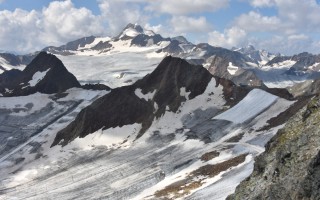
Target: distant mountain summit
x=9 y=61
x=260 y=56
x=244 y=66
x=45 y=74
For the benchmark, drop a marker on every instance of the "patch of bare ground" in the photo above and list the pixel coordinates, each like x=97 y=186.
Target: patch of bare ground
x=213 y=170
x=209 y=155
x=197 y=178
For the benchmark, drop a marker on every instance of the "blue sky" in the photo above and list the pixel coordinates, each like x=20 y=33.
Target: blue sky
x=285 y=26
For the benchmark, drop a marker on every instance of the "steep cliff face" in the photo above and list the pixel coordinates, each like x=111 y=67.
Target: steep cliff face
x=290 y=166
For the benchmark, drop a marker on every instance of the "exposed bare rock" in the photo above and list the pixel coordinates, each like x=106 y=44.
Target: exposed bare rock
x=290 y=167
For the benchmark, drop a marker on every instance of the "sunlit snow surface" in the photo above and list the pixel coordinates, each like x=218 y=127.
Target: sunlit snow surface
x=121 y=66
x=111 y=164
x=254 y=103
x=37 y=77
x=276 y=76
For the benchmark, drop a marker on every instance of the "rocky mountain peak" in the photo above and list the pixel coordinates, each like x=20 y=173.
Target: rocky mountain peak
x=135 y=26
x=130 y=31
x=45 y=74
x=181 y=39
x=44 y=61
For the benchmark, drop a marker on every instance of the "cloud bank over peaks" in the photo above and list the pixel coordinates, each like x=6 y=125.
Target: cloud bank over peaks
x=286 y=26
x=25 y=31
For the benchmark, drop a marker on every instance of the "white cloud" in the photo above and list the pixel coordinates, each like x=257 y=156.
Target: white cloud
x=254 y=21
x=62 y=22
x=293 y=44
x=288 y=31
x=25 y=31
x=262 y=3
x=293 y=15
x=19 y=29
x=118 y=13
x=184 y=24
x=298 y=37
x=230 y=38
x=184 y=7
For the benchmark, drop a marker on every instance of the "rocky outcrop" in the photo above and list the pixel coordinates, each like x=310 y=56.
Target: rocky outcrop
x=306 y=88
x=95 y=87
x=143 y=40
x=45 y=74
x=220 y=66
x=260 y=56
x=303 y=62
x=122 y=106
x=290 y=166
x=70 y=46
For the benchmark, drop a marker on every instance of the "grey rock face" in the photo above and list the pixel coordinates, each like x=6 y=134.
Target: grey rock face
x=146 y=40
x=289 y=168
x=219 y=67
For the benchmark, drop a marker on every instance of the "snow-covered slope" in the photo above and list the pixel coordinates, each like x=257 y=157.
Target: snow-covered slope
x=192 y=148
x=120 y=66
x=173 y=165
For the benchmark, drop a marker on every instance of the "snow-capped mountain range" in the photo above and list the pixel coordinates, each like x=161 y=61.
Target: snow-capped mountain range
x=180 y=121
x=261 y=56
x=244 y=66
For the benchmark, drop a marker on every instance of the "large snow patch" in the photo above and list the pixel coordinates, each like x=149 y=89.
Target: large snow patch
x=252 y=105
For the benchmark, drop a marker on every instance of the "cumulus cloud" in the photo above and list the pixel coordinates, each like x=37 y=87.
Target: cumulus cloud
x=293 y=44
x=184 y=24
x=61 y=21
x=118 y=13
x=184 y=7
x=230 y=38
x=19 y=29
x=298 y=37
x=262 y=3
x=25 y=31
x=254 y=21
x=293 y=16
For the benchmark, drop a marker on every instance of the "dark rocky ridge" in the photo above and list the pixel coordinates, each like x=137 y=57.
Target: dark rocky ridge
x=290 y=166
x=122 y=107
x=57 y=78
